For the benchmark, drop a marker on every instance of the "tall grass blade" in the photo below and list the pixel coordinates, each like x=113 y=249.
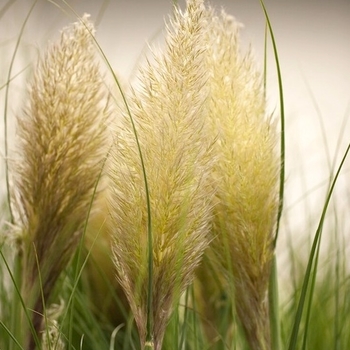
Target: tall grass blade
x=273 y=283
x=311 y=293
x=313 y=253
x=282 y=118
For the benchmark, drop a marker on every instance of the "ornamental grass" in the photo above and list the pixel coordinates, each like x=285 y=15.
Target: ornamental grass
x=146 y=215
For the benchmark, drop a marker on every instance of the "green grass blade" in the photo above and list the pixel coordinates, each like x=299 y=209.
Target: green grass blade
x=273 y=283
x=308 y=273
x=11 y=335
x=274 y=307
x=311 y=293
x=282 y=118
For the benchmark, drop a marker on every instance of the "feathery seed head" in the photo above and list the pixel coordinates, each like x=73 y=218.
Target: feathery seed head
x=62 y=137
x=245 y=174
x=169 y=111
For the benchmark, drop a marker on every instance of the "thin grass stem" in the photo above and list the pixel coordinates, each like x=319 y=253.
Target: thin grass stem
x=273 y=283
x=282 y=119
x=14 y=76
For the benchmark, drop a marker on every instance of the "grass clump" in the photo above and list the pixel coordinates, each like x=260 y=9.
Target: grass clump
x=146 y=218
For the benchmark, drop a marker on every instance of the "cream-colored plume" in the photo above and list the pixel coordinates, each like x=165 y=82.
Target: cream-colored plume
x=245 y=174
x=169 y=109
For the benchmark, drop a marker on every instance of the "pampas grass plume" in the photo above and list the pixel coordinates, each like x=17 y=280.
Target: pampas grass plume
x=62 y=137
x=245 y=175
x=169 y=110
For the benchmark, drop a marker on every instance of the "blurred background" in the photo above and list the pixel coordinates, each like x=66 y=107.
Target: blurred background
x=313 y=42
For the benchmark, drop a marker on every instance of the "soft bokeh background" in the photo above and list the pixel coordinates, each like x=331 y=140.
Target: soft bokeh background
x=314 y=50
